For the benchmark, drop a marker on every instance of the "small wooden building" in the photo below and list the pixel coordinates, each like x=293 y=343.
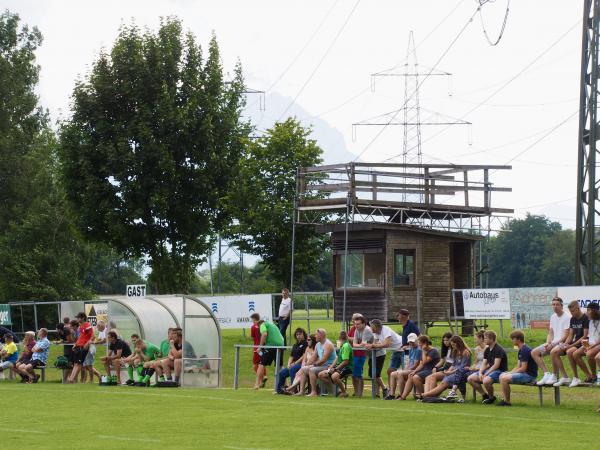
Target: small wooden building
x=393 y=266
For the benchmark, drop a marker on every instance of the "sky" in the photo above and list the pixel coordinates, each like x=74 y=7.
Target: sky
x=314 y=59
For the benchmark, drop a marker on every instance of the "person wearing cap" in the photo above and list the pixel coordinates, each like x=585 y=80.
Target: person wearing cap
x=408 y=327
x=591 y=346
x=9 y=353
x=398 y=378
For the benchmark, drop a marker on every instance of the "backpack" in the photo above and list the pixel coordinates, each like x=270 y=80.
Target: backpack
x=62 y=362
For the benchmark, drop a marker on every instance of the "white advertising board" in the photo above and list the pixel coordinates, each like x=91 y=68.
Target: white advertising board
x=583 y=294
x=233 y=311
x=486 y=303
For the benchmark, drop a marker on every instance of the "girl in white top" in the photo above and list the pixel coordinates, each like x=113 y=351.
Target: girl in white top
x=307 y=361
x=591 y=346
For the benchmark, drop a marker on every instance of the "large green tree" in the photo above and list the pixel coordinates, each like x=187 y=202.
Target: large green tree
x=263 y=201
x=152 y=147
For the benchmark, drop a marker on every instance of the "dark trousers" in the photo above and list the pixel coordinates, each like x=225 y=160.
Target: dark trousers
x=283 y=325
x=284 y=373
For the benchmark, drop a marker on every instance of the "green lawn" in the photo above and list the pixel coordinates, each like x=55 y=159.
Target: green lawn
x=52 y=415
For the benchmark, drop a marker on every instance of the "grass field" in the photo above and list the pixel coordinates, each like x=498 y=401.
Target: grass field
x=52 y=415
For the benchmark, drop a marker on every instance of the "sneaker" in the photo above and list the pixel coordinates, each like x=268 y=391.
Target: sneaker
x=503 y=403
x=575 y=382
x=129 y=382
x=544 y=379
x=489 y=401
x=452 y=394
x=264 y=382
x=389 y=397
x=562 y=382
x=551 y=380
x=385 y=392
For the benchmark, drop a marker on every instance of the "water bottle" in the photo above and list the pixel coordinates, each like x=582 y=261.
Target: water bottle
x=598 y=378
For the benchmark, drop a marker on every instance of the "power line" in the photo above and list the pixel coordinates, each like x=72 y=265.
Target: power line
x=493 y=44
x=383 y=128
x=321 y=60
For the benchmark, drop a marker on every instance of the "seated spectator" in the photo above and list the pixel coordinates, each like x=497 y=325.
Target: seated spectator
x=133 y=362
x=294 y=361
x=9 y=354
x=308 y=359
x=494 y=363
x=270 y=336
x=118 y=352
x=341 y=367
x=26 y=354
x=385 y=337
x=4 y=332
x=85 y=338
x=173 y=359
x=457 y=373
x=40 y=357
x=590 y=347
x=325 y=357
x=360 y=335
x=525 y=372
x=557 y=335
x=399 y=377
x=445 y=363
x=430 y=357
x=579 y=325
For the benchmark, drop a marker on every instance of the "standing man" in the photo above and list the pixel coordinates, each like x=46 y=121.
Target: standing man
x=524 y=373
x=285 y=310
x=494 y=363
x=408 y=327
x=362 y=334
x=557 y=334
x=255 y=335
x=270 y=336
x=385 y=337
x=82 y=345
x=39 y=358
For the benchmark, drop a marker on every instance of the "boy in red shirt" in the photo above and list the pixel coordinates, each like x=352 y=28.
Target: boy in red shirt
x=255 y=335
x=82 y=345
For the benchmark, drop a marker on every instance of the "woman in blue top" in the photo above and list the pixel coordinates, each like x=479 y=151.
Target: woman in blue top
x=458 y=372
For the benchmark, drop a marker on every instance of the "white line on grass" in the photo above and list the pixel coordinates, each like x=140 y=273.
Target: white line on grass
x=243 y=448
x=122 y=438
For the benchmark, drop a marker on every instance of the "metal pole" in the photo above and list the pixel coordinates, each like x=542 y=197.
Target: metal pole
x=455 y=313
x=292 y=259
x=373 y=374
x=236 y=367
x=418 y=311
x=307 y=312
x=219 y=269
x=348 y=200
x=277 y=365
x=212 y=291
x=35 y=319
x=183 y=344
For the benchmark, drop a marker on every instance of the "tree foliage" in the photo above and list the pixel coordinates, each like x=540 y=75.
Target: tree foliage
x=533 y=251
x=263 y=201
x=152 y=148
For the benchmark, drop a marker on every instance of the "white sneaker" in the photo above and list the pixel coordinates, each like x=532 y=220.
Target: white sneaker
x=562 y=382
x=575 y=382
x=550 y=380
x=544 y=379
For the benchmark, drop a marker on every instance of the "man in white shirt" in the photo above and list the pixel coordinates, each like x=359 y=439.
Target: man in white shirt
x=385 y=337
x=557 y=334
x=285 y=311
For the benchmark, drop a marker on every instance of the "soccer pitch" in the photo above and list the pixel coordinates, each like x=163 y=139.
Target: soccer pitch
x=52 y=415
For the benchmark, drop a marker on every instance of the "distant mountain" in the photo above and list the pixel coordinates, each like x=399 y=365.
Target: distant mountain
x=329 y=138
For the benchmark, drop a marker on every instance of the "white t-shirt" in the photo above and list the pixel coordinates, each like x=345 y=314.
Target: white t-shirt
x=594 y=334
x=559 y=325
x=285 y=307
x=385 y=333
x=101 y=335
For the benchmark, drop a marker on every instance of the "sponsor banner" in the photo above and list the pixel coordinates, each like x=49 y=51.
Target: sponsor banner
x=233 y=311
x=96 y=312
x=486 y=303
x=529 y=305
x=5 y=315
x=584 y=295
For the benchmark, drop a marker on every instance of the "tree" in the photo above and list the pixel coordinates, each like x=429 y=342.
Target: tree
x=263 y=201
x=152 y=148
x=519 y=254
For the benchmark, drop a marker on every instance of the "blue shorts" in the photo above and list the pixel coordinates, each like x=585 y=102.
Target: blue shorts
x=397 y=359
x=521 y=378
x=495 y=375
x=359 y=365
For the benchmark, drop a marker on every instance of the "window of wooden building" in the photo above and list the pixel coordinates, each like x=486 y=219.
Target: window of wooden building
x=364 y=270
x=404 y=268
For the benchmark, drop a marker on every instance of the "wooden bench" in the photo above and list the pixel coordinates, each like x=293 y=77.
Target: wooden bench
x=540 y=392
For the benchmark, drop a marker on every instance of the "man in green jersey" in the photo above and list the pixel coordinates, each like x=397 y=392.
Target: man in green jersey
x=341 y=367
x=269 y=336
x=147 y=353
